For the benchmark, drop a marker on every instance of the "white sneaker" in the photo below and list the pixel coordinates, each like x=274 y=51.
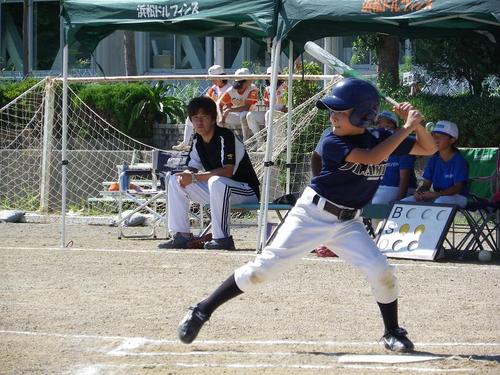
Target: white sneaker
x=181 y=147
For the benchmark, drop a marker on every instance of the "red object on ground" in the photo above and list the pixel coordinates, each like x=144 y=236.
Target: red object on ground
x=323 y=251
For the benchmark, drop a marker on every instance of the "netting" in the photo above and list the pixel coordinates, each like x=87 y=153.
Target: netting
x=30 y=150
x=31 y=143
x=306 y=128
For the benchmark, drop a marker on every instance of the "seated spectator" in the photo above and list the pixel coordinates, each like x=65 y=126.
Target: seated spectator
x=219 y=172
x=236 y=102
x=446 y=171
x=219 y=87
x=399 y=178
x=256 y=120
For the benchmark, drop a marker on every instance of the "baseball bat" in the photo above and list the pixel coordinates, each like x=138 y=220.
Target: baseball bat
x=341 y=68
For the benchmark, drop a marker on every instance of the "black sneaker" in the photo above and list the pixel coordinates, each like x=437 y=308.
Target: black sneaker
x=225 y=243
x=178 y=241
x=191 y=324
x=396 y=340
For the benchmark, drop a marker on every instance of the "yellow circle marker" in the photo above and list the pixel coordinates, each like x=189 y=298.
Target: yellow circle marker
x=405 y=228
x=420 y=229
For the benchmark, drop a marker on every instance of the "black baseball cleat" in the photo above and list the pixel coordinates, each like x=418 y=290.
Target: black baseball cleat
x=396 y=340
x=191 y=324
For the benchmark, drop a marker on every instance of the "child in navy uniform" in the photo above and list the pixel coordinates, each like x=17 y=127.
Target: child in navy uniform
x=446 y=171
x=399 y=178
x=328 y=212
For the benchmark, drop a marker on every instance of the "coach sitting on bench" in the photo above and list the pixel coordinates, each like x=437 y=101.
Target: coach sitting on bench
x=219 y=172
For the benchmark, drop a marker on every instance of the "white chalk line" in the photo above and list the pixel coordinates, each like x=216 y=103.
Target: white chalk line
x=96 y=367
x=152 y=341
x=485 y=267
x=131 y=343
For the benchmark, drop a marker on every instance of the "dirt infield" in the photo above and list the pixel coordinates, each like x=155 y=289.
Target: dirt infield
x=109 y=306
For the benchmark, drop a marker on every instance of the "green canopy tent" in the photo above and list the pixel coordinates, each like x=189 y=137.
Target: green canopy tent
x=301 y=21
x=89 y=21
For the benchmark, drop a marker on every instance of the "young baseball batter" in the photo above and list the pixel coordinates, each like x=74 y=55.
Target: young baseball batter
x=328 y=212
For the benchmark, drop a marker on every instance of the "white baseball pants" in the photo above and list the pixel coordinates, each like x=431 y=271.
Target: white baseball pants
x=239 y=118
x=220 y=192
x=387 y=194
x=188 y=131
x=308 y=226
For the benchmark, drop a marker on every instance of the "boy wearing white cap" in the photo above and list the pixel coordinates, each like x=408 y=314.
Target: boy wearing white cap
x=236 y=102
x=446 y=171
x=258 y=119
x=219 y=87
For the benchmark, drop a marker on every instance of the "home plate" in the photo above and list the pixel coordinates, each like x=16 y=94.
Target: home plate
x=377 y=358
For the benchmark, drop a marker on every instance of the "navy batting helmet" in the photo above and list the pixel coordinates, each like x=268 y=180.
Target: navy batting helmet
x=357 y=94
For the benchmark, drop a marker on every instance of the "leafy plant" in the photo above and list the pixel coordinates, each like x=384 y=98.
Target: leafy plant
x=157 y=106
x=303 y=90
x=133 y=107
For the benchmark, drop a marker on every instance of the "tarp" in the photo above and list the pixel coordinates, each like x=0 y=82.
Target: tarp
x=89 y=21
x=301 y=20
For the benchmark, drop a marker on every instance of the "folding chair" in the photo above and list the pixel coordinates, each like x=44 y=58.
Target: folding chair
x=482 y=216
x=159 y=171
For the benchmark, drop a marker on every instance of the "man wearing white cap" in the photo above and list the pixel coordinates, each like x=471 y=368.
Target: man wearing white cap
x=446 y=171
x=219 y=87
x=258 y=119
x=237 y=101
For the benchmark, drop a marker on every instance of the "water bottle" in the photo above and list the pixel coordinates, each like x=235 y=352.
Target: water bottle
x=124 y=178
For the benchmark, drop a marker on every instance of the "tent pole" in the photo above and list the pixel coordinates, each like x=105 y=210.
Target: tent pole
x=264 y=199
x=64 y=162
x=289 y=117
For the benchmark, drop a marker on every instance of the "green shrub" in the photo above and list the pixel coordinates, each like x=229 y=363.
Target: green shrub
x=477 y=118
x=133 y=107
x=9 y=90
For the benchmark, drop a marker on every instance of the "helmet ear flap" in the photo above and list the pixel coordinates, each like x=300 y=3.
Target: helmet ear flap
x=363 y=118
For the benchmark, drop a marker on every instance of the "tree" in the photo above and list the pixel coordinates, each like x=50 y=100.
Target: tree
x=385 y=49
x=129 y=53
x=472 y=58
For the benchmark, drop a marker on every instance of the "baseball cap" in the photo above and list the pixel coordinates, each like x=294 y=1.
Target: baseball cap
x=389 y=116
x=270 y=70
x=446 y=127
x=242 y=72
x=215 y=70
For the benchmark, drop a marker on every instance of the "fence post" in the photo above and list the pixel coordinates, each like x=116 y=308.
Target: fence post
x=48 y=140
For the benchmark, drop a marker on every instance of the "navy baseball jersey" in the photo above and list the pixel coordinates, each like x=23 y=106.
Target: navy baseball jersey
x=444 y=175
x=352 y=184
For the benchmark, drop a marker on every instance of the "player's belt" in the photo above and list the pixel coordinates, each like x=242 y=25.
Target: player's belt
x=342 y=213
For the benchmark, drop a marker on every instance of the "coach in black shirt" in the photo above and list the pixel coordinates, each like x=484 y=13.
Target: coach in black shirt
x=219 y=172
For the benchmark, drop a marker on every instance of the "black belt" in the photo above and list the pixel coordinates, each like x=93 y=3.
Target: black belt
x=342 y=213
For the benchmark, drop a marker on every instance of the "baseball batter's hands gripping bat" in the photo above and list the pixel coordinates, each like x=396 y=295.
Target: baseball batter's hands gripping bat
x=343 y=69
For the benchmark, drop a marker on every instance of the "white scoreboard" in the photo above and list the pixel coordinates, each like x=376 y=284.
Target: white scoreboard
x=415 y=230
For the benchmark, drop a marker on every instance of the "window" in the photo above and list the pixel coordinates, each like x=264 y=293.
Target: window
x=169 y=51
x=46 y=38
x=11 y=53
